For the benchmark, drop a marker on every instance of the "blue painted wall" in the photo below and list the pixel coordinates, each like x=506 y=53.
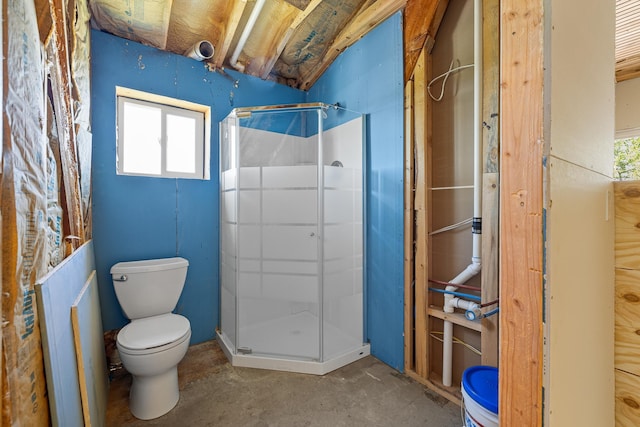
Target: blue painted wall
x=368 y=77
x=140 y=217
x=136 y=217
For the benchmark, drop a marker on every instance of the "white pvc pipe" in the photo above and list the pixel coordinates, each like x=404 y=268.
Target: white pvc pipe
x=477 y=123
x=476 y=256
x=255 y=13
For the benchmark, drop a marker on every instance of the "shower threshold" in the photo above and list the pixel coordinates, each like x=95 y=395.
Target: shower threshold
x=304 y=365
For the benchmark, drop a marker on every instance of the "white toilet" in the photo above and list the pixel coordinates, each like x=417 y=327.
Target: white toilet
x=156 y=340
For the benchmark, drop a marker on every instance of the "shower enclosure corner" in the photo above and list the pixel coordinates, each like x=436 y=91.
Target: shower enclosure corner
x=291 y=237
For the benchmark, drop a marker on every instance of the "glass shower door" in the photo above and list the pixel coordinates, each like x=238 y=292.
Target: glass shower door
x=278 y=236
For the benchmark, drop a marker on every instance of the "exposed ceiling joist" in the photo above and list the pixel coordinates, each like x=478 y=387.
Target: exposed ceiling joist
x=627 y=39
x=357 y=28
x=294 y=41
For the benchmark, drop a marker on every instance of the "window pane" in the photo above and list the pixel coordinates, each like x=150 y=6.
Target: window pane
x=142 y=139
x=181 y=144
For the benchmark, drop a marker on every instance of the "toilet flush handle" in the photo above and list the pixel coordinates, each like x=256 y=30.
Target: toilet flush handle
x=122 y=278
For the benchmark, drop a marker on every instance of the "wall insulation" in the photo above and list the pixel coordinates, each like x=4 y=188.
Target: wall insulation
x=47 y=94
x=24 y=224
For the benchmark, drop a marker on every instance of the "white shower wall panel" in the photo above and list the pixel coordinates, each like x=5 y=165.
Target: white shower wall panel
x=250 y=206
x=339 y=207
x=250 y=265
x=249 y=285
x=344 y=143
x=338 y=284
x=256 y=311
x=290 y=176
x=290 y=267
x=289 y=207
x=335 y=177
x=290 y=243
x=228 y=238
x=228 y=211
x=250 y=177
x=336 y=265
x=249 y=241
x=339 y=241
x=290 y=287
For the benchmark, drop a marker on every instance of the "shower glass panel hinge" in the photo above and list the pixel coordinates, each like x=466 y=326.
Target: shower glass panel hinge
x=244 y=350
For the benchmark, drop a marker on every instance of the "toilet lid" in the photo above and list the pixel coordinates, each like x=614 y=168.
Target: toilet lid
x=153 y=331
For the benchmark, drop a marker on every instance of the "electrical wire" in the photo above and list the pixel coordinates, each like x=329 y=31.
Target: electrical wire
x=444 y=82
x=456 y=341
x=452 y=226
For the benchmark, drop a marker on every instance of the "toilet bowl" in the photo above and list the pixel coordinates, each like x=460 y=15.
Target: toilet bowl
x=156 y=340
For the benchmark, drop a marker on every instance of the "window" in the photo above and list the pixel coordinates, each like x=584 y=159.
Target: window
x=626 y=157
x=161 y=137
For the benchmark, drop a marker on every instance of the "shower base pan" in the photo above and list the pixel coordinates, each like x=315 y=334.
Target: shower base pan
x=303 y=365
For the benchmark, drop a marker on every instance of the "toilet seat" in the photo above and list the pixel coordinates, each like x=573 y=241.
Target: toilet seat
x=154 y=334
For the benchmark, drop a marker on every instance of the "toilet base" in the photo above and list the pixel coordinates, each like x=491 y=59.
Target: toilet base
x=153 y=396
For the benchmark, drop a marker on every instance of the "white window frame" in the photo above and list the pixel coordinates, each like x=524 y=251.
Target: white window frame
x=176 y=107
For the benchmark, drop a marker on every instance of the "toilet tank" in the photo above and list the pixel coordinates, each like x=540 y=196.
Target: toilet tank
x=150 y=287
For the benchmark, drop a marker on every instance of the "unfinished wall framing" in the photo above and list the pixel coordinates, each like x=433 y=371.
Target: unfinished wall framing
x=45 y=179
x=437 y=193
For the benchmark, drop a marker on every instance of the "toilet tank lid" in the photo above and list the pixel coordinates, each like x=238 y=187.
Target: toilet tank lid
x=148 y=265
x=151 y=332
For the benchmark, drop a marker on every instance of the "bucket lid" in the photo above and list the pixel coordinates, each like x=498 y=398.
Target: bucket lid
x=481 y=384
x=153 y=331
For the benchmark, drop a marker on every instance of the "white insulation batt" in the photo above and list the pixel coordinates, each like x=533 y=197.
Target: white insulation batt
x=144 y=21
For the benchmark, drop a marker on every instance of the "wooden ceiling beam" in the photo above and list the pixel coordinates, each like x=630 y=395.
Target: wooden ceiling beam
x=628 y=68
x=268 y=66
x=364 y=22
x=45 y=23
x=421 y=22
x=230 y=29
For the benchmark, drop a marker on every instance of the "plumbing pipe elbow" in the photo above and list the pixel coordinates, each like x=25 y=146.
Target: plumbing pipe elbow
x=466 y=274
x=238 y=66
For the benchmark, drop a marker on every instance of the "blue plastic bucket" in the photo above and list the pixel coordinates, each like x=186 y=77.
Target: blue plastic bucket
x=480 y=396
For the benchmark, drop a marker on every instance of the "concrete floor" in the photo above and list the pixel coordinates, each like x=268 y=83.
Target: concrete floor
x=214 y=393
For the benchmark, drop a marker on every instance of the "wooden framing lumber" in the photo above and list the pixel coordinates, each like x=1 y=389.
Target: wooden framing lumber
x=230 y=29
x=64 y=116
x=422 y=215
x=409 y=229
x=490 y=193
x=421 y=23
x=521 y=198
x=357 y=28
x=299 y=19
x=490 y=292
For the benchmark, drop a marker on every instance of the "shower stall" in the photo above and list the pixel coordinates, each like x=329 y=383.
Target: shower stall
x=291 y=237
